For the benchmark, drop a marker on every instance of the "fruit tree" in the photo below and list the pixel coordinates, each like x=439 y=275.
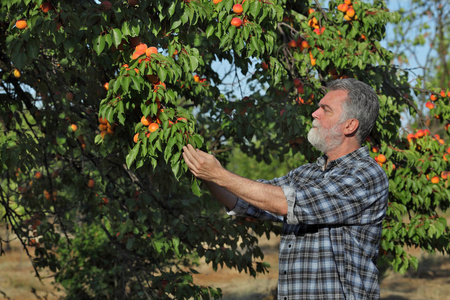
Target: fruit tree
x=98 y=98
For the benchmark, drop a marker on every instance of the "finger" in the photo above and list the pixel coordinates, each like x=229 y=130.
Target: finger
x=188 y=162
x=190 y=154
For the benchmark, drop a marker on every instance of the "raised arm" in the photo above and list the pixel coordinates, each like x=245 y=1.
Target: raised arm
x=224 y=184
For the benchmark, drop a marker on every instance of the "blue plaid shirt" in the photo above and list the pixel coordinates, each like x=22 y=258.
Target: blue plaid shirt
x=332 y=230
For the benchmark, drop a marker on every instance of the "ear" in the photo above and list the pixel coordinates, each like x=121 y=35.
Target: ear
x=350 y=127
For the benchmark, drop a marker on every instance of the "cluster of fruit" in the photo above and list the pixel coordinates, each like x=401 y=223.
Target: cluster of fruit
x=434 y=97
x=348 y=10
x=105 y=127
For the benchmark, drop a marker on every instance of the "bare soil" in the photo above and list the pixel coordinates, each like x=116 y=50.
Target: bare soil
x=431 y=281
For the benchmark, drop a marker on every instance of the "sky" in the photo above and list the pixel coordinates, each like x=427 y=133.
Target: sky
x=230 y=82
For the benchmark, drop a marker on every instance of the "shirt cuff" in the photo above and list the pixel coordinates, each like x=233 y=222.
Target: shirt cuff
x=289 y=193
x=240 y=208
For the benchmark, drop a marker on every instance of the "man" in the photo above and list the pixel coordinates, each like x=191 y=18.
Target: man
x=331 y=210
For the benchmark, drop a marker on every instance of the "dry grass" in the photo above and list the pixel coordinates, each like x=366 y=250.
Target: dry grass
x=18 y=279
x=431 y=281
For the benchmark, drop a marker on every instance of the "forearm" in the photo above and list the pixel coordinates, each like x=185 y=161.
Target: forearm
x=264 y=196
x=225 y=197
x=206 y=167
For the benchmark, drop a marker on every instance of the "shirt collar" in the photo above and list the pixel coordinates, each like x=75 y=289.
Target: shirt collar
x=346 y=159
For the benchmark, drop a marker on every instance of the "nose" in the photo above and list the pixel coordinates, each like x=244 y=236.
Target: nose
x=315 y=113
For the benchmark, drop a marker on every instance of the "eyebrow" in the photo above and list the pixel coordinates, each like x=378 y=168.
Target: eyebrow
x=325 y=106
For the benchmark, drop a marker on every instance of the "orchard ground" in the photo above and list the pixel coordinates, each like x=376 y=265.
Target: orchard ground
x=431 y=281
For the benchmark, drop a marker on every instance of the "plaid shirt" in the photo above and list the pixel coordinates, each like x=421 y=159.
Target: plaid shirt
x=332 y=231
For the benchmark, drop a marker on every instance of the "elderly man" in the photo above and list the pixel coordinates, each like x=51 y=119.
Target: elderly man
x=332 y=210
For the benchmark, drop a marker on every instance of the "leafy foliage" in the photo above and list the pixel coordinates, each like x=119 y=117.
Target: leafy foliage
x=94 y=121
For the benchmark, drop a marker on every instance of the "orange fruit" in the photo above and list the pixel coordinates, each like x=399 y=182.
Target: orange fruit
x=21 y=24
x=217 y=1
x=47 y=195
x=313 y=60
x=150 y=51
x=305 y=44
x=38 y=175
x=433 y=97
x=136 y=137
x=105 y=5
x=153 y=127
x=159 y=84
x=381 y=158
x=350 y=12
x=348 y=2
x=236 y=22
x=74 y=127
x=91 y=183
x=137 y=54
x=343 y=7
x=429 y=105
x=33 y=243
x=106 y=86
x=133 y=2
x=69 y=96
x=141 y=48
x=153 y=78
x=238 y=9
x=435 y=179
x=16 y=73
x=46 y=7
x=102 y=121
x=146 y=120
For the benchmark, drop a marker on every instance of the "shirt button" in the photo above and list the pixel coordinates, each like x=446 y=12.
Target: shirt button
x=289 y=246
x=285 y=272
x=285 y=298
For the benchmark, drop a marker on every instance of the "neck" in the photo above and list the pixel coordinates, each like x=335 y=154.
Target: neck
x=343 y=149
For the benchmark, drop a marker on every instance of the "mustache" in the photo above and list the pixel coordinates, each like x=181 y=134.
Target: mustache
x=315 y=123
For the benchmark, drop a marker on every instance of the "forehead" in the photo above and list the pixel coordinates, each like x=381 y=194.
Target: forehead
x=334 y=99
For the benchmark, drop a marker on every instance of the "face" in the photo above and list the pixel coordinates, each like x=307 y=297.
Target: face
x=326 y=133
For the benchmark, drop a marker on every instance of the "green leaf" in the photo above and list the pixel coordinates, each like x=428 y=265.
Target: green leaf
x=255 y=45
x=117 y=36
x=168 y=150
x=209 y=30
x=162 y=74
x=132 y=155
x=125 y=83
x=176 y=245
x=193 y=63
x=175 y=24
x=98 y=44
x=254 y=8
x=195 y=187
x=137 y=80
x=125 y=29
x=19 y=60
x=171 y=9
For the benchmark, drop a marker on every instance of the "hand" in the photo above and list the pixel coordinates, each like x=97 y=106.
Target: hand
x=203 y=165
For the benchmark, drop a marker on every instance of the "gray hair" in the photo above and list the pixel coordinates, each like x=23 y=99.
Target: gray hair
x=361 y=104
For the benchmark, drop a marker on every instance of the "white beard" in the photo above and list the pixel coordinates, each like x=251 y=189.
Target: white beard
x=325 y=140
